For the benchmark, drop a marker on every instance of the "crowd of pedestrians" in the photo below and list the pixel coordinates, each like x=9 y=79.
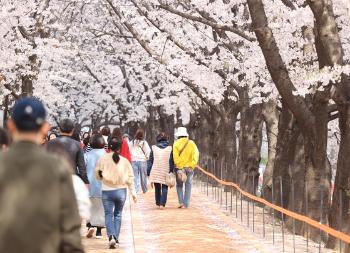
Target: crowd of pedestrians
x=54 y=179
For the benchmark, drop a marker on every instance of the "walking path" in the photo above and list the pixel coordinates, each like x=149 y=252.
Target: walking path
x=202 y=228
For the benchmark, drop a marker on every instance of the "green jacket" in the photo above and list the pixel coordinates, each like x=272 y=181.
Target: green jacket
x=38 y=209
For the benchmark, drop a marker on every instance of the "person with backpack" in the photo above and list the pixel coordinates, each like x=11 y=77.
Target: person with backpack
x=140 y=152
x=116 y=175
x=39 y=212
x=160 y=164
x=186 y=156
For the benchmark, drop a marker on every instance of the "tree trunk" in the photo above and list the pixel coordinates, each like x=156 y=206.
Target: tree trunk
x=339 y=213
x=271 y=118
x=250 y=147
x=315 y=145
x=27 y=86
x=286 y=145
x=330 y=52
x=317 y=171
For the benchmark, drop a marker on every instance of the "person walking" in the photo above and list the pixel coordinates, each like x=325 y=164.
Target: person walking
x=106 y=133
x=117 y=175
x=4 y=139
x=38 y=211
x=140 y=152
x=97 y=221
x=160 y=164
x=186 y=156
x=124 y=150
x=72 y=147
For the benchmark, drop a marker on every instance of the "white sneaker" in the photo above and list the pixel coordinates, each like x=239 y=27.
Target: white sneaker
x=112 y=242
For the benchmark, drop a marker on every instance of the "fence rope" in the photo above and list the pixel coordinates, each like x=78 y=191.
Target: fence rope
x=337 y=234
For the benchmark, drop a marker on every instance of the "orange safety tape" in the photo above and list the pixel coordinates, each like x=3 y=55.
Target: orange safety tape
x=303 y=218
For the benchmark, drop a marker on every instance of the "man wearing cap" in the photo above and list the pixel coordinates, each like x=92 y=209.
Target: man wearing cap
x=72 y=147
x=186 y=156
x=38 y=212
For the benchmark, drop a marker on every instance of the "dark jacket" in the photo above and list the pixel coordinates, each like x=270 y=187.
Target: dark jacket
x=162 y=145
x=38 y=212
x=76 y=154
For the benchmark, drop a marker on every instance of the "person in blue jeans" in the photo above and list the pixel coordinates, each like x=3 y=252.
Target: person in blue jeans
x=117 y=175
x=160 y=164
x=140 y=153
x=186 y=156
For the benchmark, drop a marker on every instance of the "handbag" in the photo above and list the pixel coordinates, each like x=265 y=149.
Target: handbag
x=170 y=179
x=181 y=175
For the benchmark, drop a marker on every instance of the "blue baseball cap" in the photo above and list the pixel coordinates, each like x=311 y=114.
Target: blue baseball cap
x=29 y=114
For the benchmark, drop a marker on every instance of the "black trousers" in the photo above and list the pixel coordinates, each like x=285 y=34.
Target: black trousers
x=161 y=194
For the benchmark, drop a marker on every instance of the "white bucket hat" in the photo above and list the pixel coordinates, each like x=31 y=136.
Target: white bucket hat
x=181 y=131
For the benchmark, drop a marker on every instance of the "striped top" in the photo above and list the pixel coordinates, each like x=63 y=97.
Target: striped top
x=161 y=166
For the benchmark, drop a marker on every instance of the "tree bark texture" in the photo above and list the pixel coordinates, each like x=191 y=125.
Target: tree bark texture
x=250 y=147
x=271 y=118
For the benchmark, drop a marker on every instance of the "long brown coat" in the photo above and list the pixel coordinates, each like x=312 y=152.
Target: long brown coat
x=38 y=210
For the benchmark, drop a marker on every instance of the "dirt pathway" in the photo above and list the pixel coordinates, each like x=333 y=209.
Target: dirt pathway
x=201 y=228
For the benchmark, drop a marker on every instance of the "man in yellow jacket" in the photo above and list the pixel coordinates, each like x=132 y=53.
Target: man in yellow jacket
x=186 y=156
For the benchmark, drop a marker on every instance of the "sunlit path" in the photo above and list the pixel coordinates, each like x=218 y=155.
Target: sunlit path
x=94 y=245
x=202 y=228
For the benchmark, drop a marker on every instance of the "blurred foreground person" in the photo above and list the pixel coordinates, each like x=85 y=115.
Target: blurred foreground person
x=38 y=211
x=4 y=139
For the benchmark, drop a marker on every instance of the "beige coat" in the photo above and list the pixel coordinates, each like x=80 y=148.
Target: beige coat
x=114 y=175
x=160 y=167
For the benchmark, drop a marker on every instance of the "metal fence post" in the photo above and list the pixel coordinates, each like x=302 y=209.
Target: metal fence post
x=262 y=192
x=253 y=178
x=306 y=214
x=340 y=216
x=321 y=217
x=248 y=202
x=225 y=186
x=236 y=194
x=293 y=209
x=214 y=184
x=273 y=213
x=282 y=216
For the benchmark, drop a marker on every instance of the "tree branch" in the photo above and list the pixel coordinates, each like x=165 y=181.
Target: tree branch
x=214 y=25
x=289 y=4
x=158 y=58
x=13 y=92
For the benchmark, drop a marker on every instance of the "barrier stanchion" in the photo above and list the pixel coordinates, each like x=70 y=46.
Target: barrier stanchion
x=306 y=212
x=263 y=215
x=293 y=209
x=321 y=207
x=340 y=216
x=254 y=193
x=273 y=212
x=282 y=225
x=285 y=212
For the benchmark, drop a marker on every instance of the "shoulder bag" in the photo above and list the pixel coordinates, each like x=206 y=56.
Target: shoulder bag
x=181 y=174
